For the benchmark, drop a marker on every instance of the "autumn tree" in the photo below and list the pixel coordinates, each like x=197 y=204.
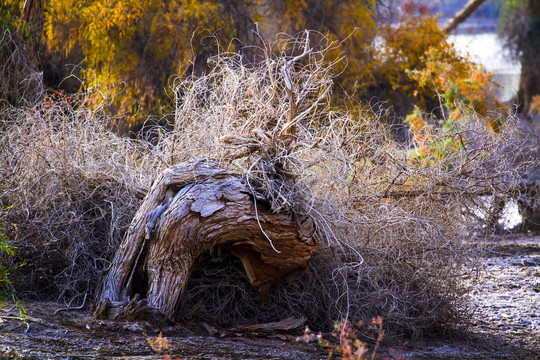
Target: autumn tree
x=382 y=47
x=134 y=47
x=137 y=45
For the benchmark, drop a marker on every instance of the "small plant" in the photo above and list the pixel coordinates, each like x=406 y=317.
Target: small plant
x=161 y=346
x=349 y=346
x=434 y=143
x=6 y=288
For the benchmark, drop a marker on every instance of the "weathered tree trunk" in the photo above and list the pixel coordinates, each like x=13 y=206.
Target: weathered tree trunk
x=195 y=208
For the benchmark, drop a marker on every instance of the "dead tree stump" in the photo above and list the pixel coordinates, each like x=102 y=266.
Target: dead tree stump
x=194 y=208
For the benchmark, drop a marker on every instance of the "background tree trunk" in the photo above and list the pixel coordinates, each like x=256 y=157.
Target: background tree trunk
x=195 y=208
x=529 y=53
x=32 y=15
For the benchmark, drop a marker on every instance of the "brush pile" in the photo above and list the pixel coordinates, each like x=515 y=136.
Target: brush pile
x=394 y=231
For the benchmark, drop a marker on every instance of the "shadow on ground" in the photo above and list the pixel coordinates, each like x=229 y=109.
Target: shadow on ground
x=504 y=324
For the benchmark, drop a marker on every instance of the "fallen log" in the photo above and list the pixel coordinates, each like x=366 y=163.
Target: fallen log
x=194 y=208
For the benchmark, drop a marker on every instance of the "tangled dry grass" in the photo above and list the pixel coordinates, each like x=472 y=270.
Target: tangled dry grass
x=72 y=186
x=394 y=231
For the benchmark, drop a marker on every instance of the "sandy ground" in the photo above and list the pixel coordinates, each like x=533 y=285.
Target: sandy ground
x=505 y=324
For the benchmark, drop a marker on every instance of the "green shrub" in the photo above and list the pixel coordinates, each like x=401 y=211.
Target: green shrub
x=7 y=252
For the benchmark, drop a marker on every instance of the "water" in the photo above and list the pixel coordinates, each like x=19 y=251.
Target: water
x=487 y=50
x=510 y=217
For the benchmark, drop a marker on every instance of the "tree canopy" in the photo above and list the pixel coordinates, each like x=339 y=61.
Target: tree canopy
x=135 y=48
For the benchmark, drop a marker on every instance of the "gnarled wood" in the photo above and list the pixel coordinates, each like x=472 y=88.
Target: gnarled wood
x=191 y=209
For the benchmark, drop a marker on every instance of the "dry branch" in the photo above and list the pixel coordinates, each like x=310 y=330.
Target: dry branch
x=461 y=15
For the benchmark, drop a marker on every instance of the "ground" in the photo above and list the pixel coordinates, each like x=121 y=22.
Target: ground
x=505 y=324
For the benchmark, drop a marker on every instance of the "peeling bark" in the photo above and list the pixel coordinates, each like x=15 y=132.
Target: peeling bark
x=194 y=208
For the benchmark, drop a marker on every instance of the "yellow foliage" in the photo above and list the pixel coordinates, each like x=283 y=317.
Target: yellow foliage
x=134 y=46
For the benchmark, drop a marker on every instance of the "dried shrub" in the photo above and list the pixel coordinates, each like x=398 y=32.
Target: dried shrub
x=72 y=187
x=394 y=228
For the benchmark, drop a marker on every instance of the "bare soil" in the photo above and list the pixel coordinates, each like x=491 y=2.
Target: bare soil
x=505 y=324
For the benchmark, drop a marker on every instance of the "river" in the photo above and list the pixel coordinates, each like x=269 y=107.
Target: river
x=488 y=50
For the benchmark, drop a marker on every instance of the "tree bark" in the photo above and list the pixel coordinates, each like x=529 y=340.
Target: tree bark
x=529 y=54
x=461 y=15
x=194 y=208
x=32 y=15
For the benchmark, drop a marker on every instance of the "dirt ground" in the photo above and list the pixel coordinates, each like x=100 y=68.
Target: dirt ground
x=505 y=324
